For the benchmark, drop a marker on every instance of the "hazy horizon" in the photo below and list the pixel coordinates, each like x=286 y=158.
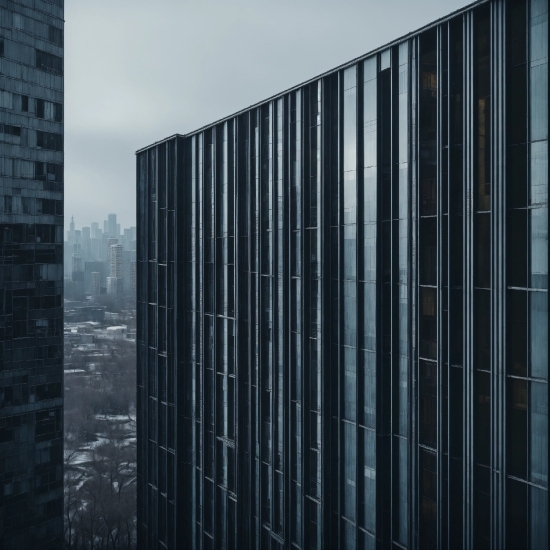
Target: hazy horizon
x=137 y=72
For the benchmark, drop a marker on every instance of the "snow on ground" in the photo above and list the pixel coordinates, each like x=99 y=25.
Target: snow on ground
x=83 y=454
x=115 y=417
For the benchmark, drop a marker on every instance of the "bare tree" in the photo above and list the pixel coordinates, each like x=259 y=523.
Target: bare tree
x=71 y=500
x=100 y=486
x=100 y=497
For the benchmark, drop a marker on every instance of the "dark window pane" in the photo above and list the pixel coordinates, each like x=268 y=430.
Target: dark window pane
x=349 y=477
x=482 y=423
x=517 y=248
x=428 y=124
x=538 y=334
x=517 y=428
x=483 y=111
x=482 y=507
x=516 y=516
x=517 y=35
x=456 y=411
x=428 y=251
x=369 y=391
x=428 y=323
x=538 y=433
x=456 y=322
x=483 y=250
x=538 y=186
x=517 y=332
x=49 y=62
x=538 y=226
x=517 y=90
x=482 y=329
x=350 y=252
x=428 y=500
x=517 y=176
x=538 y=517
x=428 y=403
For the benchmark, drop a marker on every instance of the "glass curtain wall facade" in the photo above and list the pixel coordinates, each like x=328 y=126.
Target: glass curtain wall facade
x=31 y=274
x=343 y=304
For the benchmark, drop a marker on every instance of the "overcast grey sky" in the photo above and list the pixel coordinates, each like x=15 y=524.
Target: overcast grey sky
x=137 y=71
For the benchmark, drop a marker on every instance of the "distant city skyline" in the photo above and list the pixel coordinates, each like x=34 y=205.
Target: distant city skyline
x=78 y=227
x=105 y=250
x=99 y=219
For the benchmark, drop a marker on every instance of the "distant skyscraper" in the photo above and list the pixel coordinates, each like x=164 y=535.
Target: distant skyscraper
x=86 y=242
x=77 y=263
x=97 y=240
x=110 y=242
x=111 y=226
x=31 y=274
x=133 y=278
x=89 y=269
x=96 y=284
x=115 y=286
x=71 y=231
x=116 y=260
x=115 y=281
x=343 y=304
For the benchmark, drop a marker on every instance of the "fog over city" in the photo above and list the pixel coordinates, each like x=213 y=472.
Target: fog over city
x=138 y=71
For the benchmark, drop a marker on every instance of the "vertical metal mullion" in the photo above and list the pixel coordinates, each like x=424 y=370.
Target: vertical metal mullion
x=498 y=283
x=340 y=296
x=249 y=351
x=236 y=411
x=200 y=199
x=379 y=532
x=468 y=398
x=440 y=284
x=251 y=327
x=411 y=141
x=198 y=328
x=393 y=98
x=195 y=267
x=439 y=309
x=191 y=377
x=287 y=277
x=157 y=232
x=213 y=212
x=324 y=334
x=176 y=258
x=236 y=314
x=528 y=7
x=143 y=361
x=176 y=309
x=274 y=301
x=319 y=306
x=358 y=285
x=413 y=292
x=256 y=327
x=303 y=337
x=446 y=352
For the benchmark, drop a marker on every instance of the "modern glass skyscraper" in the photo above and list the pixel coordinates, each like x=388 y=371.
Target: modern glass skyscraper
x=31 y=274
x=343 y=304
